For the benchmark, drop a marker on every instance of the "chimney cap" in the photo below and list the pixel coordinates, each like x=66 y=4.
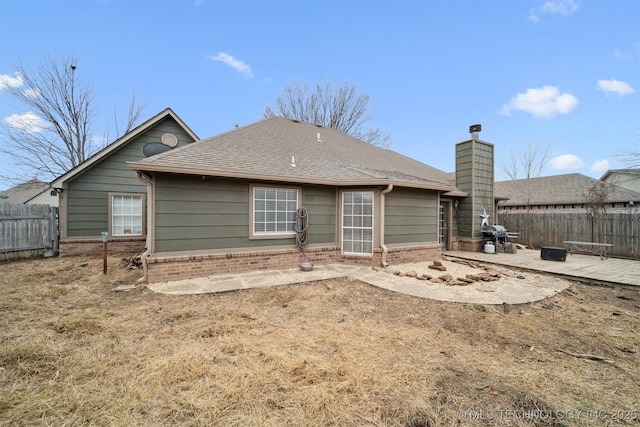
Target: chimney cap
x=475 y=128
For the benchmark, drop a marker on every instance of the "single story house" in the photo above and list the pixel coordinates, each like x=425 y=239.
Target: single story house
x=566 y=192
x=103 y=194
x=553 y=210
x=278 y=192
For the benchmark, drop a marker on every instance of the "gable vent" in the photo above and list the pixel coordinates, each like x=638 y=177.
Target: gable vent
x=169 y=140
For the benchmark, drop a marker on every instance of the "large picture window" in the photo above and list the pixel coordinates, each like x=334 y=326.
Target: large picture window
x=126 y=215
x=357 y=222
x=274 y=211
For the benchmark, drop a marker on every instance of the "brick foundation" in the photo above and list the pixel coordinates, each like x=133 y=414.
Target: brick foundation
x=176 y=267
x=93 y=247
x=407 y=254
x=467 y=244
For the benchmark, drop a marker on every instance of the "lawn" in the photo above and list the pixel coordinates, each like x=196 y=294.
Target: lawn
x=331 y=353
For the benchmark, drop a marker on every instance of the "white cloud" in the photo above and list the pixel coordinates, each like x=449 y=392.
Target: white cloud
x=566 y=161
x=553 y=7
x=601 y=166
x=31 y=93
x=27 y=122
x=6 y=81
x=615 y=86
x=544 y=102
x=234 y=63
x=618 y=54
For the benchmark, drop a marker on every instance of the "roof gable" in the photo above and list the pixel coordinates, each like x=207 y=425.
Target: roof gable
x=120 y=142
x=610 y=172
x=289 y=150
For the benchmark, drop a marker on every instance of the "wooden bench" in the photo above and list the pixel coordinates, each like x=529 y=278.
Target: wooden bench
x=592 y=248
x=512 y=237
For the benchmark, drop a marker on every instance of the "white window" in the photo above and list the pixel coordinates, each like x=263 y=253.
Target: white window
x=126 y=215
x=274 y=211
x=357 y=222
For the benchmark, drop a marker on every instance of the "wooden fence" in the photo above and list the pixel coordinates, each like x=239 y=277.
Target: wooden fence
x=28 y=231
x=548 y=228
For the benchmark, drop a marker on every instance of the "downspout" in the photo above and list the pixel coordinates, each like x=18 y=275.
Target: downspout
x=385 y=250
x=146 y=179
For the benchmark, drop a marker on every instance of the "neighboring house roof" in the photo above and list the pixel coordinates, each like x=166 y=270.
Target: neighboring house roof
x=57 y=183
x=620 y=171
x=286 y=150
x=23 y=192
x=554 y=190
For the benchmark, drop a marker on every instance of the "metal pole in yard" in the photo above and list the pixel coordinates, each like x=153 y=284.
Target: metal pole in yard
x=105 y=239
x=632 y=225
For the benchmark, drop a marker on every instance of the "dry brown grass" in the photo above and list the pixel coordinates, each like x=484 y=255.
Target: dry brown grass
x=339 y=352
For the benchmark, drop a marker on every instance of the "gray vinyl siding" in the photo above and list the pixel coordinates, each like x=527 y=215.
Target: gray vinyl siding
x=474 y=175
x=411 y=216
x=196 y=214
x=320 y=203
x=87 y=195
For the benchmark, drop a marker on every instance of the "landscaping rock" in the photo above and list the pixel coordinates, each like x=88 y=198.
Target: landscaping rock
x=457 y=283
x=438 y=267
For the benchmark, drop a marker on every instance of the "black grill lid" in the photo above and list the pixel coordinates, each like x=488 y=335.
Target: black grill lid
x=498 y=229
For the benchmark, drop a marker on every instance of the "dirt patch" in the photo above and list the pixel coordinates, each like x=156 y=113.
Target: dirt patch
x=334 y=352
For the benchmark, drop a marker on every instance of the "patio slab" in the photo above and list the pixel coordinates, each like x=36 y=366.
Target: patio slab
x=584 y=268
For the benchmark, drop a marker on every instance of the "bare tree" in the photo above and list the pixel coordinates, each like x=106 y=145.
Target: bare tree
x=596 y=198
x=56 y=133
x=528 y=164
x=631 y=157
x=340 y=108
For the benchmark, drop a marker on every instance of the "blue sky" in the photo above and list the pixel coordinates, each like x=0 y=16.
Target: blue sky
x=561 y=74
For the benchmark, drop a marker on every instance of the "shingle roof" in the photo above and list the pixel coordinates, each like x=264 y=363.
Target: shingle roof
x=23 y=192
x=267 y=149
x=557 y=189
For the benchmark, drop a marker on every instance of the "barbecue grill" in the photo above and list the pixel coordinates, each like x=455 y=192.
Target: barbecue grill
x=496 y=234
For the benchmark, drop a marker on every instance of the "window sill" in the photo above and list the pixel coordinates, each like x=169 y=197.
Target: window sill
x=272 y=236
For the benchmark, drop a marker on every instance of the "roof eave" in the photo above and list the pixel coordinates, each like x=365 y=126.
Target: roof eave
x=145 y=167
x=456 y=193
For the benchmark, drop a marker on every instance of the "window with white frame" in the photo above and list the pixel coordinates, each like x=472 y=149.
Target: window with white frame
x=357 y=222
x=274 y=211
x=126 y=215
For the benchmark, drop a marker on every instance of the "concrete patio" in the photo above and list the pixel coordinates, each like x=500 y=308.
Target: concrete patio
x=583 y=268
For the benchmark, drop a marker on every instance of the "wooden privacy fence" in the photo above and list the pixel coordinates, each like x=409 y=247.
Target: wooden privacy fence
x=547 y=228
x=28 y=231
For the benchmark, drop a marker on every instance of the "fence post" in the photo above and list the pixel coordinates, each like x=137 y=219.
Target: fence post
x=105 y=239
